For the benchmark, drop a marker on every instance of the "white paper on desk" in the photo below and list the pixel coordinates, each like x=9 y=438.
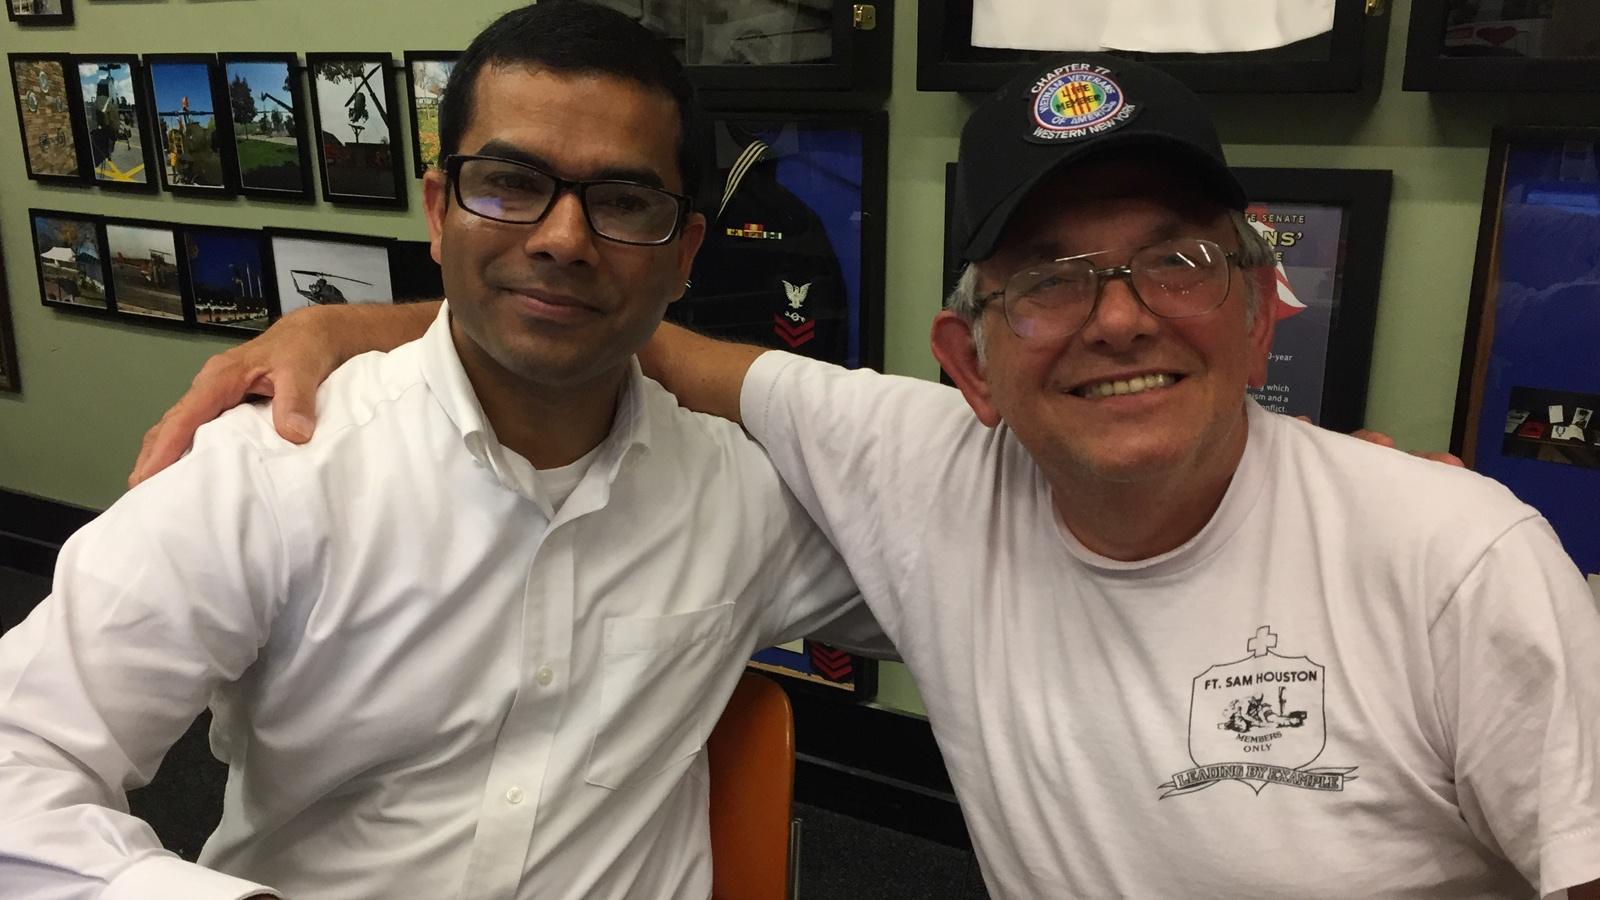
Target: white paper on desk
x=1557 y=416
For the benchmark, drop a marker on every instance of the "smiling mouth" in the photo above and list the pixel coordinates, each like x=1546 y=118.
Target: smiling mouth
x=1138 y=384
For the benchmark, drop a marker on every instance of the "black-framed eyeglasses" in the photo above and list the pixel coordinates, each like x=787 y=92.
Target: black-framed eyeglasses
x=1173 y=279
x=505 y=190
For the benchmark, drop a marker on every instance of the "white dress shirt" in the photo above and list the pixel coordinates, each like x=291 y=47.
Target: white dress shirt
x=426 y=680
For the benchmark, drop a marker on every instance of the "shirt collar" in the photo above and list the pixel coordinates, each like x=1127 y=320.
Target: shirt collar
x=447 y=379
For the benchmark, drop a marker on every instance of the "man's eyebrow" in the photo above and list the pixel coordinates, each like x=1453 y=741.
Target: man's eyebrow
x=508 y=150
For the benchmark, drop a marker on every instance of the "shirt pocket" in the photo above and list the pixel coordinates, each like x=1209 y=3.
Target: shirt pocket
x=655 y=677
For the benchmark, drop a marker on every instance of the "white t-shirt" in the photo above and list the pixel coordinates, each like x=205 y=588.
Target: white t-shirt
x=1368 y=675
x=1147 y=25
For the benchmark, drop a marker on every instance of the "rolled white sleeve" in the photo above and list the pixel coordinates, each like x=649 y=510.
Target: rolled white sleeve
x=1519 y=689
x=162 y=598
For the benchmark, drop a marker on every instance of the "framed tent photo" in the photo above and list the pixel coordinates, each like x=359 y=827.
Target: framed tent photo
x=1528 y=399
x=1326 y=227
x=55 y=146
x=231 y=276
x=1503 y=45
x=427 y=72
x=69 y=252
x=1333 y=60
x=142 y=265
x=794 y=256
x=358 y=148
x=10 y=377
x=818 y=668
x=39 y=12
x=317 y=268
x=186 y=101
x=120 y=152
x=266 y=109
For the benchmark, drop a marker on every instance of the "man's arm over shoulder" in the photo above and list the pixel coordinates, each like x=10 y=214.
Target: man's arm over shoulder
x=164 y=597
x=1519 y=693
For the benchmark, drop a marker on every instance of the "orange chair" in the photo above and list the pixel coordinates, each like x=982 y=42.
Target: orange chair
x=751 y=757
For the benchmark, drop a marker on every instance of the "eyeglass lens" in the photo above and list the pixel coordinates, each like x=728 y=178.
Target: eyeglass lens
x=620 y=210
x=1174 y=279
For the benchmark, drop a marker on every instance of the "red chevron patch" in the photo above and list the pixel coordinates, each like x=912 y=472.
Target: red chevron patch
x=830 y=663
x=793 y=334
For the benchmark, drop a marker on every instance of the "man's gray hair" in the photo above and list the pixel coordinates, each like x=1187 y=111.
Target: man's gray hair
x=1254 y=252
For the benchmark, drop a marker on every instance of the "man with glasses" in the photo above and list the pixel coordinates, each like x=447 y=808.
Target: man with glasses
x=469 y=641
x=1171 y=644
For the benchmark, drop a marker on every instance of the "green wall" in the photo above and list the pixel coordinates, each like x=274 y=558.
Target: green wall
x=91 y=388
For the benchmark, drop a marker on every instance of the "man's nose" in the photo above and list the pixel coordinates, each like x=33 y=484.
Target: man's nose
x=563 y=235
x=1119 y=319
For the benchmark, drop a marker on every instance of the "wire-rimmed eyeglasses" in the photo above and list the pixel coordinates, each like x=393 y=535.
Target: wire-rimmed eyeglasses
x=1173 y=279
x=505 y=190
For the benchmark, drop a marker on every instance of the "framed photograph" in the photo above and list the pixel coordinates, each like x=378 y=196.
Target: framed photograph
x=10 y=378
x=39 y=12
x=1326 y=227
x=54 y=146
x=818 y=668
x=120 y=152
x=793 y=258
x=69 y=252
x=193 y=147
x=414 y=274
x=1528 y=399
x=427 y=72
x=266 y=112
x=231 y=278
x=1503 y=45
x=146 y=279
x=753 y=49
x=1332 y=61
x=315 y=267
x=352 y=103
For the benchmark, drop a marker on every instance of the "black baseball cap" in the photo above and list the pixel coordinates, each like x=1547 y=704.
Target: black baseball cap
x=1067 y=109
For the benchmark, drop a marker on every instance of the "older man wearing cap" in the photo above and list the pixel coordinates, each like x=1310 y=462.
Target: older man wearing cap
x=1170 y=643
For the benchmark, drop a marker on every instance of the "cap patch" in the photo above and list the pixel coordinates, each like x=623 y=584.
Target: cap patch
x=1078 y=101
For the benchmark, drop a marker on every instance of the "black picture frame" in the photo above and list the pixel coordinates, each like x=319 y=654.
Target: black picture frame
x=10 y=375
x=425 y=114
x=416 y=278
x=230 y=298
x=119 y=116
x=352 y=268
x=1362 y=197
x=63 y=278
x=64 y=17
x=810 y=206
x=144 y=286
x=187 y=171
x=817 y=669
x=263 y=168
x=32 y=90
x=1332 y=62
x=1487 y=57
x=1531 y=331
x=379 y=176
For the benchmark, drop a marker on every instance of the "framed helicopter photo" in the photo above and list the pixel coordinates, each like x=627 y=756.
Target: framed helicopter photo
x=49 y=112
x=358 y=146
x=195 y=151
x=39 y=12
x=319 y=268
x=427 y=72
x=266 y=110
x=143 y=271
x=120 y=152
x=231 y=277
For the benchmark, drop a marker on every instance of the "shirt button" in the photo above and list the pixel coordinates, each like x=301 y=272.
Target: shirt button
x=514 y=795
x=545 y=675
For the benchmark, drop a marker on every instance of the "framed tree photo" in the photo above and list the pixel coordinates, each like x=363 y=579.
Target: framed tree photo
x=1334 y=60
x=39 y=12
x=793 y=258
x=358 y=147
x=1503 y=45
x=49 y=112
x=120 y=152
x=266 y=110
x=1528 y=398
x=427 y=73
x=69 y=253
x=194 y=148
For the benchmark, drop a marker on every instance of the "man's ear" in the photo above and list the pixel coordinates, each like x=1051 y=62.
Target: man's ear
x=955 y=350
x=435 y=203
x=1261 y=330
x=689 y=241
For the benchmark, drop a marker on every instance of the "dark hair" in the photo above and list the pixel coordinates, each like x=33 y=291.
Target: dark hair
x=575 y=37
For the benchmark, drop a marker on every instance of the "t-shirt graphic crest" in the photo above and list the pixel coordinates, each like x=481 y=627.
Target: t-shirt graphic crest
x=1259 y=720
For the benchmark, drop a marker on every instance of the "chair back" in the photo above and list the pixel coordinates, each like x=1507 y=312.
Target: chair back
x=751 y=758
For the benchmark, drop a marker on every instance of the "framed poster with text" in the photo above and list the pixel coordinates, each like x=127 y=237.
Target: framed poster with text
x=1528 y=399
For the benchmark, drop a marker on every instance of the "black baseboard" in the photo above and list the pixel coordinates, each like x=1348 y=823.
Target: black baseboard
x=32 y=530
